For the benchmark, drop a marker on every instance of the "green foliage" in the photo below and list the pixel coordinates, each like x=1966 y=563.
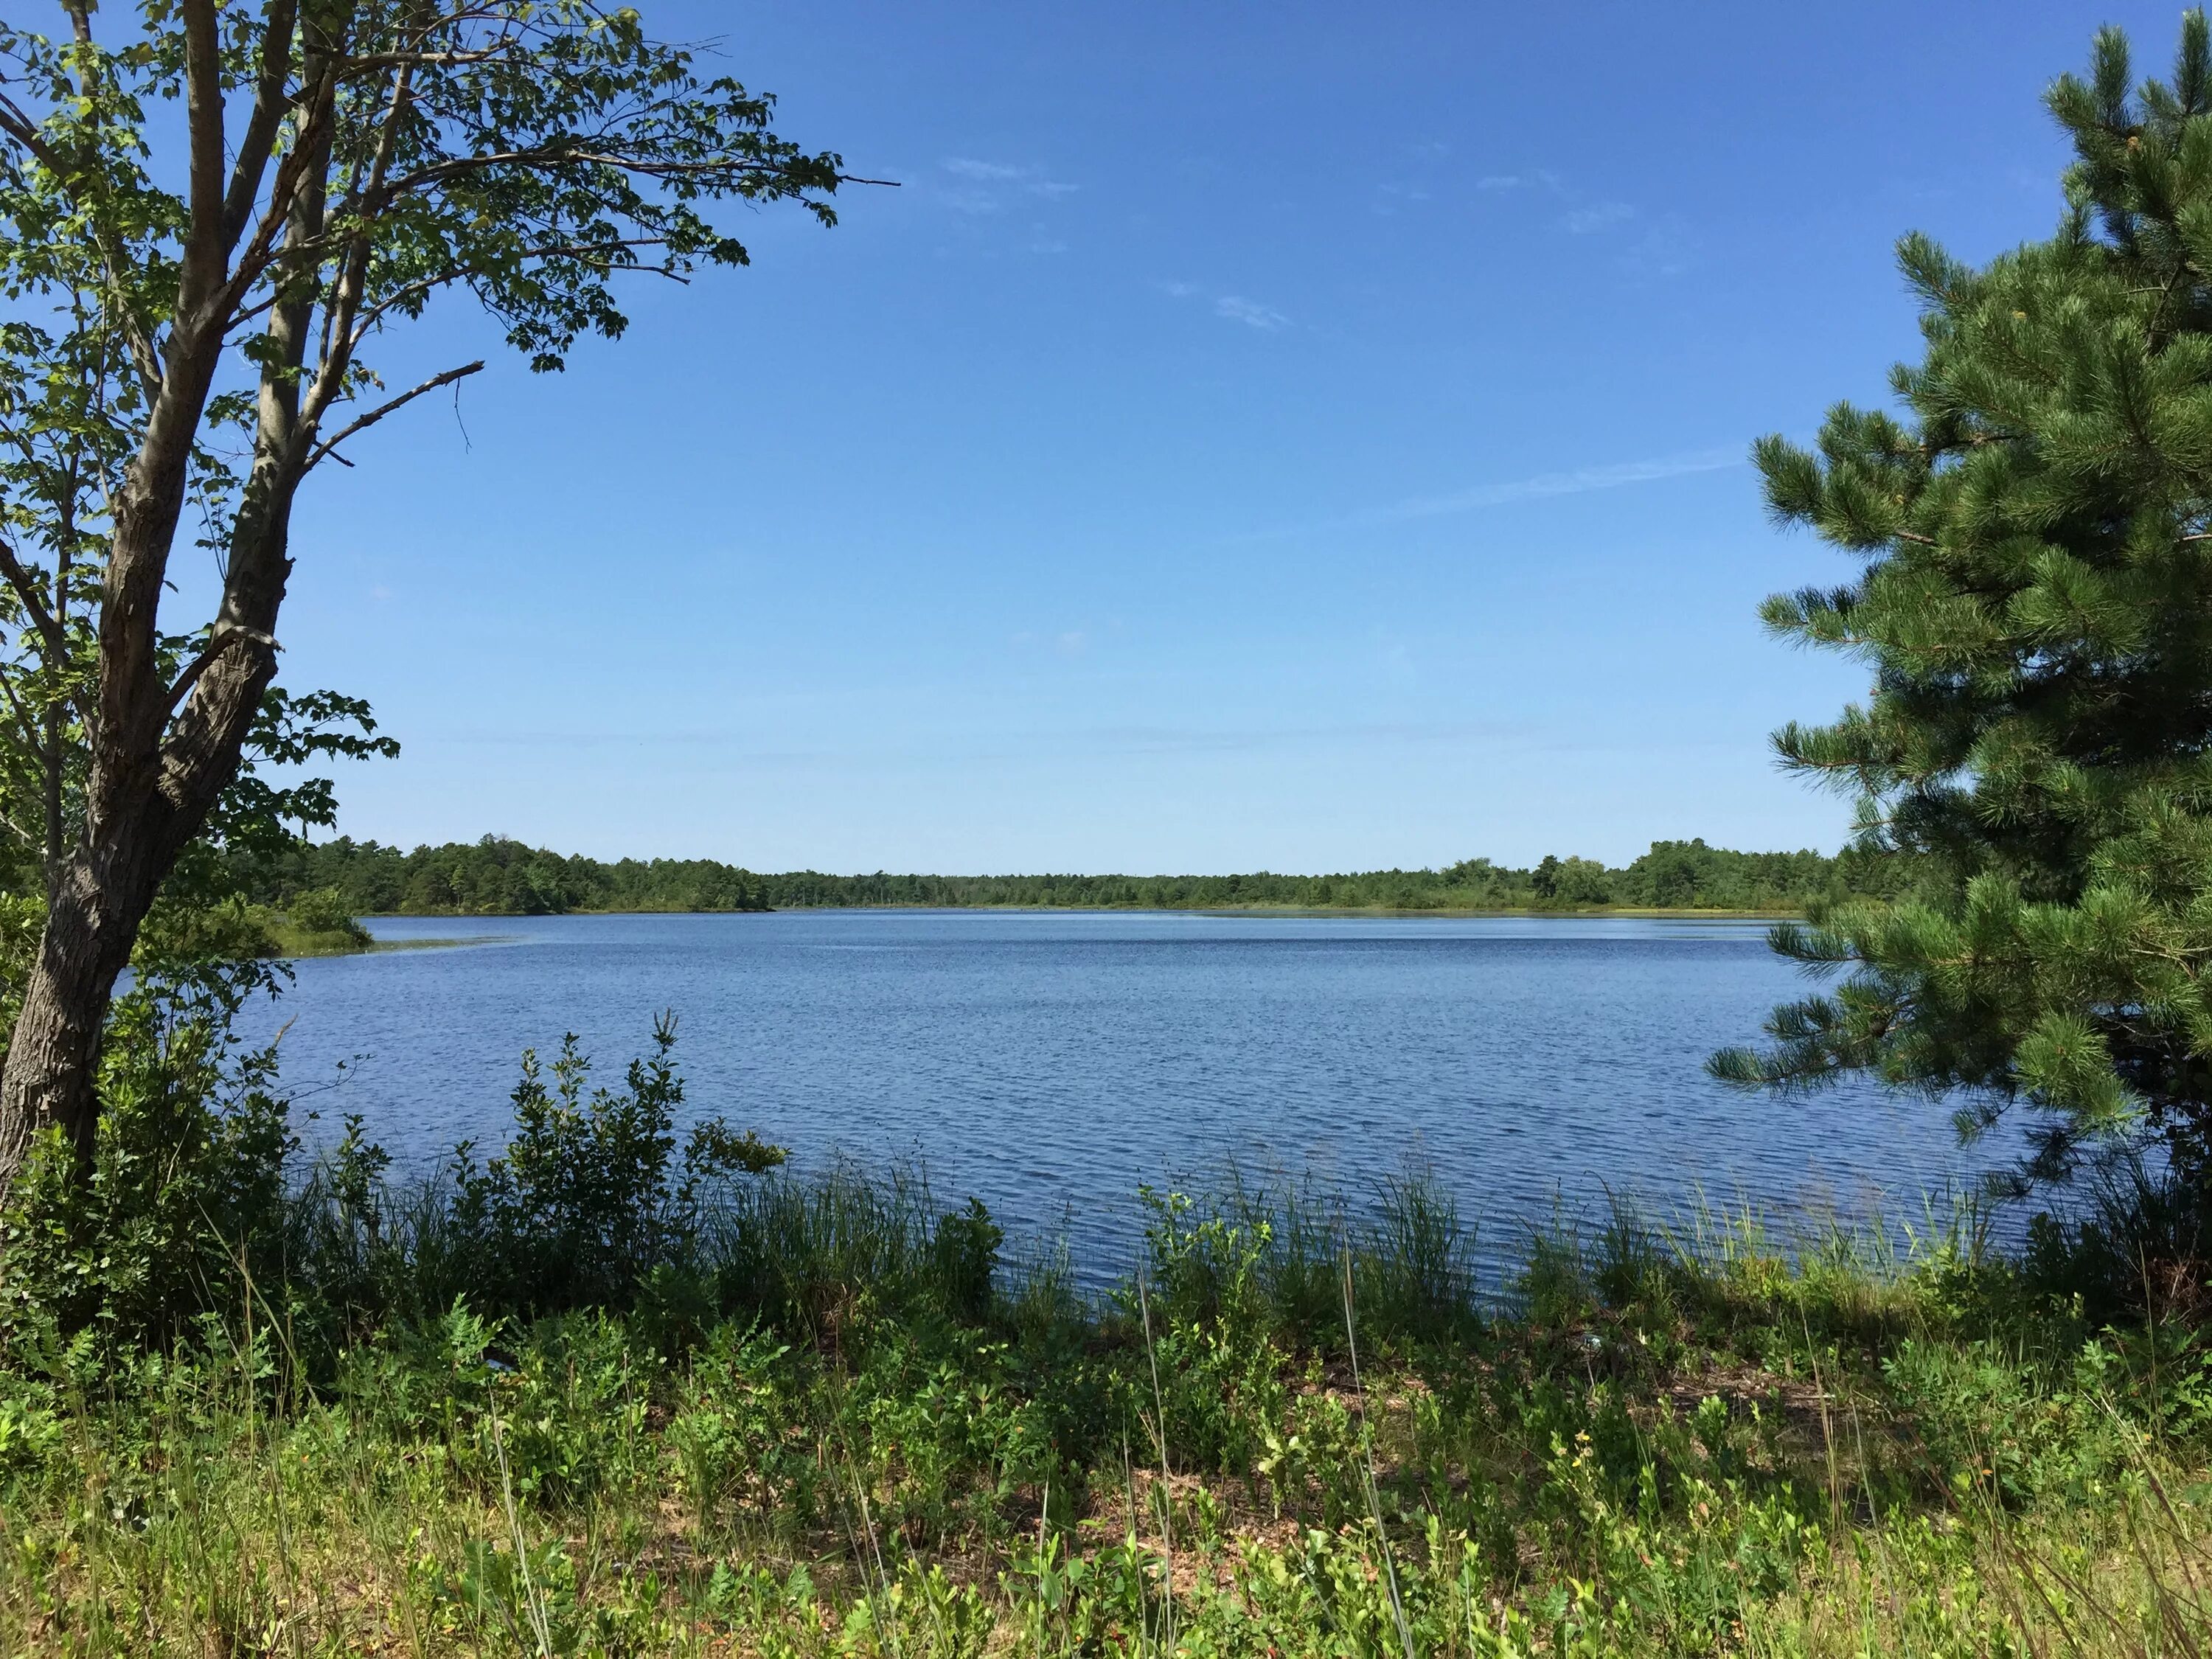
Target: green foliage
x=495 y=877
x=590 y=1197
x=182 y=1207
x=830 y=1367
x=825 y=1253
x=730 y=1433
x=492 y=877
x=320 y=914
x=189 y=304
x=1570 y=882
x=1211 y=1378
x=1705 y=1452
x=453 y=155
x=2033 y=598
x=965 y=1253
x=1289 y=1261
x=180 y=1212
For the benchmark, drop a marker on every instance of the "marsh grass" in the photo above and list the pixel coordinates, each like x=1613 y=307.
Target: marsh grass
x=599 y=1397
x=1303 y=1423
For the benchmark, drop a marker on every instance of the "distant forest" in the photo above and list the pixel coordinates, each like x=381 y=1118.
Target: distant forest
x=495 y=877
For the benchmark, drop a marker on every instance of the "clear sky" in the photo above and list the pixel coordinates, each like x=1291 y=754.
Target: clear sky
x=1293 y=436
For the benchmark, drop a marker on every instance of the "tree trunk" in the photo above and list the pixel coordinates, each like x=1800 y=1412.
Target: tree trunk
x=148 y=795
x=157 y=769
x=91 y=924
x=137 y=825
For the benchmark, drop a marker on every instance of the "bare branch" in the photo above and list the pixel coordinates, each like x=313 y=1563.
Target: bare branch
x=383 y=409
x=378 y=61
x=52 y=635
x=292 y=171
x=27 y=589
x=546 y=155
x=22 y=714
x=269 y=106
x=16 y=123
x=18 y=831
x=339 y=311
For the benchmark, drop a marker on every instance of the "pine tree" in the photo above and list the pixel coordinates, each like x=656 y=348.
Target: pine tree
x=2035 y=602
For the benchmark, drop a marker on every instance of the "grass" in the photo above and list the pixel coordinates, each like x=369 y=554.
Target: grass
x=320 y=924
x=1300 y=1427
x=292 y=944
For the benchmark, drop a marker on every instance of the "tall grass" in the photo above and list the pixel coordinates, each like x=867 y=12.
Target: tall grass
x=838 y=1415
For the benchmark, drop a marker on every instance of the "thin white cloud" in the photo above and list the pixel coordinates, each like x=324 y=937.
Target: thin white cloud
x=1389 y=197
x=1600 y=216
x=1003 y=175
x=1579 y=481
x=1544 y=485
x=1239 y=309
x=968 y=167
x=1667 y=249
x=1534 y=178
x=1230 y=308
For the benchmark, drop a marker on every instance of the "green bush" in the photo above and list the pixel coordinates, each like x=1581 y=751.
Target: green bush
x=181 y=1210
x=965 y=1253
x=321 y=912
x=590 y=1196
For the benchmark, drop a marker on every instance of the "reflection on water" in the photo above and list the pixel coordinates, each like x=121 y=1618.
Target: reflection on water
x=1049 y=1062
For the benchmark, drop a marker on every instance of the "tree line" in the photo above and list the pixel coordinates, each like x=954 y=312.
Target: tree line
x=497 y=876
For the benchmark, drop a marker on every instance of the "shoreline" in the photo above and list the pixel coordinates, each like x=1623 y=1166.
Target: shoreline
x=1284 y=912
x=1589 y=912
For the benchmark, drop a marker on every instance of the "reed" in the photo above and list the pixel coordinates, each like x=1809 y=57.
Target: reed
x=603 y=1397
x=1308 y=1419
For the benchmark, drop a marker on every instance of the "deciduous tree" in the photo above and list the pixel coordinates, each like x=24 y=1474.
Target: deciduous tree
x=207 y=218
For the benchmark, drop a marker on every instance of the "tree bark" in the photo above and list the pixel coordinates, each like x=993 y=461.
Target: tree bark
x=157 y=770
x=102 y=898
x=142 y=812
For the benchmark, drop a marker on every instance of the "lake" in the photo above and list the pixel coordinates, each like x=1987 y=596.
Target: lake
x=1048 y=1062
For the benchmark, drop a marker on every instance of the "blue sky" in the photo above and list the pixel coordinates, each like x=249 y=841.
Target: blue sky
x=1288 y=436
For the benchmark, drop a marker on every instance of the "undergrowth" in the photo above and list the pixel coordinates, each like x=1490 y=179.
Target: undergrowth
x=616 y=1392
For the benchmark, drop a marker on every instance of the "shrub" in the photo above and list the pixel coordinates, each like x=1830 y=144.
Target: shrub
x=321 y=912
x=181 y=1207
x=590 y=1196
x=965 y=1253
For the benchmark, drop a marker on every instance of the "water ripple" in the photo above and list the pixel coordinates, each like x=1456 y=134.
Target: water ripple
x=1051 y=1062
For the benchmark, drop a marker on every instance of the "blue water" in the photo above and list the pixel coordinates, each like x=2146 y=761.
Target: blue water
x=1049 y=1062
